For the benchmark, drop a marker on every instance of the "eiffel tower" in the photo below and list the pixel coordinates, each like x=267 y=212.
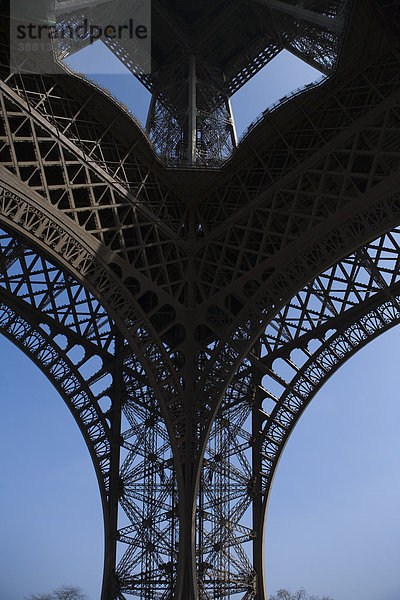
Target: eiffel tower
x=187 y=295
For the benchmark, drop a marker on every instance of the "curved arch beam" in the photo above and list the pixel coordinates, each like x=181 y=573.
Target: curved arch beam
x=298 y=203
x=64 y=375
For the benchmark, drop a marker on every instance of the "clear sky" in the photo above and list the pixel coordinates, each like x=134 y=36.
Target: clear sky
x=333 y=524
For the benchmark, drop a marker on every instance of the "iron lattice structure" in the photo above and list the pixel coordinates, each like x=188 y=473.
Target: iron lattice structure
x=188 y=316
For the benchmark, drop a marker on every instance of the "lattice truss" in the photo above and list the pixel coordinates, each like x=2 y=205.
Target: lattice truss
x=187 y=318
x=225 y=512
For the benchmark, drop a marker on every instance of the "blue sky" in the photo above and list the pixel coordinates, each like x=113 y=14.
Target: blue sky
x=333 y=525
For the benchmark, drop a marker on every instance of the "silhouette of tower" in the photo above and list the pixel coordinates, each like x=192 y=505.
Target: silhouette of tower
x=187 y=295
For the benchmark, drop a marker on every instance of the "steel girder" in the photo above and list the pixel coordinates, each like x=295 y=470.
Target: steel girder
x=197 y=291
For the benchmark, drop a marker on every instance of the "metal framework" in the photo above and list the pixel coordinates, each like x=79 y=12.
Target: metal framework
x=188 y=316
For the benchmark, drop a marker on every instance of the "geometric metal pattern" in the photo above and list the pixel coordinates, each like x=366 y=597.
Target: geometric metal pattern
x=188 y=316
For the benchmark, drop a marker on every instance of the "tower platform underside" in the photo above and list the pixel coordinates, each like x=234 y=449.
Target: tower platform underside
x=204 y=52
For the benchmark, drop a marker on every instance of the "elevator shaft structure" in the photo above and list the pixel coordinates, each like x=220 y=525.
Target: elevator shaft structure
x=188 y=309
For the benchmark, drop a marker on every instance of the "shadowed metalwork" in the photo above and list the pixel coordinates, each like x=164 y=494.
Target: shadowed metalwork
x=188 y=298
